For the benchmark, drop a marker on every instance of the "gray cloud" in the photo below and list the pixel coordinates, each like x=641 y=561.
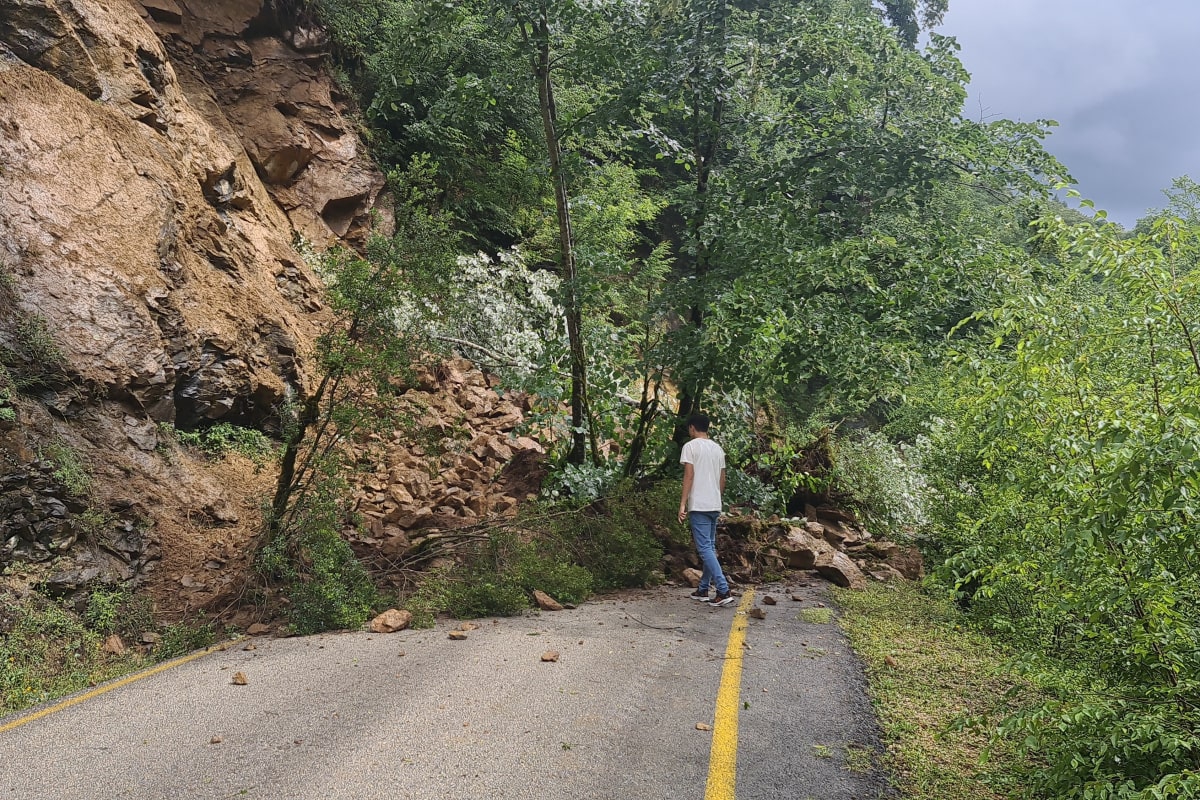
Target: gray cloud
x=1118 y=77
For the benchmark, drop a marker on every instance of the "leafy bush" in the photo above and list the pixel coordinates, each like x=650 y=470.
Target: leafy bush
x=747 y=491
x=181 y=638
x=121 y=612
x=226 y=437
x=481 y=595
x=326 y=585
x=46 y=651
x=69 y=469
x=883 y=481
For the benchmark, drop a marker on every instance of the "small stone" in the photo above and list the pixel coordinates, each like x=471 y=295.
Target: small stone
x=458 y=636
x=550 y=655
x=798 y=598
x=820 y=605
x=251 y=646
x=703 y=726
x=758 y=613
x=149 y=637
x=239 y=679
x=545 y=602
x=692 y=576
x=114 y=645
x=768 y=600
x=468 y=626
x=258 y=629
x=891 y=662
x=215 y=740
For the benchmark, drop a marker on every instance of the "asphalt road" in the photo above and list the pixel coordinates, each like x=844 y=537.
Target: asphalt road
x=416 y=715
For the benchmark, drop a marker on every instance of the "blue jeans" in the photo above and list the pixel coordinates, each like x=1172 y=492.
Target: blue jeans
x=704 y=534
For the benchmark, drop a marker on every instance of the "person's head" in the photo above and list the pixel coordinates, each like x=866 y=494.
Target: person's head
x=698 y=423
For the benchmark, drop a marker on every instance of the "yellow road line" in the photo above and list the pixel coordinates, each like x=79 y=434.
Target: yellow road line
x=722 y=760
x=108 y=687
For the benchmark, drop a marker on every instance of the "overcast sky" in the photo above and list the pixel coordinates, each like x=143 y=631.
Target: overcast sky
x=1120 y=78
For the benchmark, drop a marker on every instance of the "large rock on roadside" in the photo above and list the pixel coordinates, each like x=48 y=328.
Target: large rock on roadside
x=839 y=569
x=908 y=562
x=800 y=549
x=391 y=621
x=545 y=602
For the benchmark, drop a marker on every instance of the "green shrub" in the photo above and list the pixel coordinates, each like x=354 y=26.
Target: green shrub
x=882 y=480
x=327 y=587
x=552 y=574
x=181 y=638
x=226 y=437
x=620 y=541
x=483 y=596
x=46 y=651
x=119 y=611
x=68 y=468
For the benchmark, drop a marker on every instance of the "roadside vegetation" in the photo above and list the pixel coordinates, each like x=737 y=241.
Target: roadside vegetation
x=49 y=649
x=939 y=686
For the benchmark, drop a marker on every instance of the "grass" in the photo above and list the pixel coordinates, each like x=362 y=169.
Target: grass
x=817 y=616
x=929 y=672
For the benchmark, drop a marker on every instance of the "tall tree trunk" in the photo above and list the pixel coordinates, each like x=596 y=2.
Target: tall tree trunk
x=706 y=132
x=582 y=429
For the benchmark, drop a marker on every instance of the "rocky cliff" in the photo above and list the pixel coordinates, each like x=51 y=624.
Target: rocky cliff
x=159 y=161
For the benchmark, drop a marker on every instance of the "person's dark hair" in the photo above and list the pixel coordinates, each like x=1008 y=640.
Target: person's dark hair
x=699 y=422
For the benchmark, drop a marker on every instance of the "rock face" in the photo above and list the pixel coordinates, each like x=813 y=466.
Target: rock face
x=137 y=233
x=265 y=69
x=148 y=274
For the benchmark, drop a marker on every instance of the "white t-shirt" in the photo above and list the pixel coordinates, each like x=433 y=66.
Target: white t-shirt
x=707 y=460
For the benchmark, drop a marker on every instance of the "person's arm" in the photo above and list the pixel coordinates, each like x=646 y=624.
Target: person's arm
x=689 y=475
x=722 y=481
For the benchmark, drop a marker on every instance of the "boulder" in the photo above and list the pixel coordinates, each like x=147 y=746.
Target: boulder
x=545 y=601
x=391 y=621
x=800 y=550
x=840 y=570
x=908 y=562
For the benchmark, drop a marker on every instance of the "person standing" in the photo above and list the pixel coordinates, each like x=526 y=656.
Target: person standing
x=700 y=505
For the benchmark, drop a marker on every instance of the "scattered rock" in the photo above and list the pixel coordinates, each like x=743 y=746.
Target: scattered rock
x=891 y=662
x=758 y=613
x=239 y=679
x=458 y=636
x=215 y=740
x=258 y=629
x=391 y=621
x=798 y=598
x=703 y=726
x=768 y=600
x=251 y=646
x=545 y=601
x=692 y=576
x=114 y=645
x=550 y=655
x=468 y=626
x=150 y=637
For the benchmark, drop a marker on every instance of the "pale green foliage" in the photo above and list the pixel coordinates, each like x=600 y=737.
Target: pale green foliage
x=884 y=481
x=225 y=437
x=501 y=304
x=69 y=469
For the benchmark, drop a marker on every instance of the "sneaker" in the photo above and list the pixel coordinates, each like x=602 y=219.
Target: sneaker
x=699 y=595
x=725 y=599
